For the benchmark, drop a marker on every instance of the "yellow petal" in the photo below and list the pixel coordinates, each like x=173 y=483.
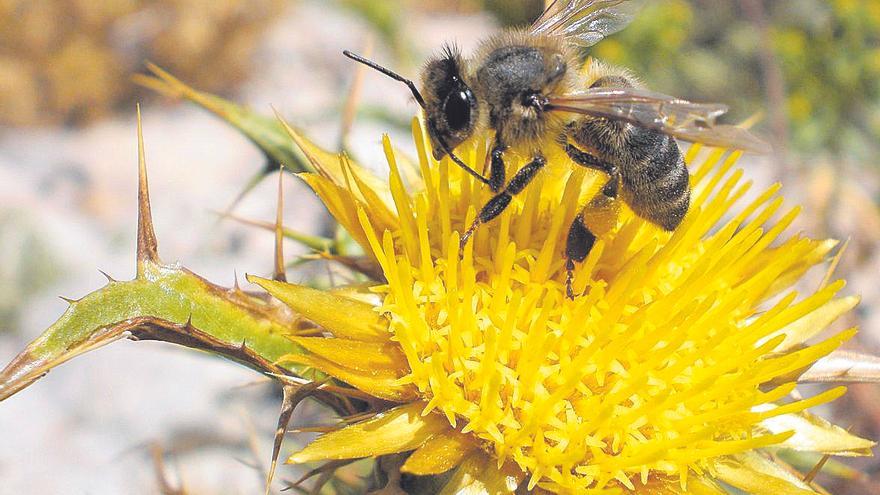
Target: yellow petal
x=396 y=430
x=439 y=454
x=757 y=474
x=820 y=251
x=478 y=474
x=813 y=323
x=358 y=355
x=383 y=384
x=814 y=434
x=339 y=315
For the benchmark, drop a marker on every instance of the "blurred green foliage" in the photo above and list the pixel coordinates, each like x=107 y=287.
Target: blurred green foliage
x=828 y=54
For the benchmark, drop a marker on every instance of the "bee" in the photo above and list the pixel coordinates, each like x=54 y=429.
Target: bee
x=528 y=85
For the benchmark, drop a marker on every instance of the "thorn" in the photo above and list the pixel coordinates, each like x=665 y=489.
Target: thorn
x=293 y=395
x=313 y=429
x=279 y=274
x=68 y=300
x=147 y=249
x=108 y=277
x=809 y=477
x=235 y=286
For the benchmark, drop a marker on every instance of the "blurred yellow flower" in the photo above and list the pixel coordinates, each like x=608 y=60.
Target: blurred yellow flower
x=673 y=371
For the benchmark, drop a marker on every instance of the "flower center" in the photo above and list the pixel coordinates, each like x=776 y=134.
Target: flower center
x=655 y=369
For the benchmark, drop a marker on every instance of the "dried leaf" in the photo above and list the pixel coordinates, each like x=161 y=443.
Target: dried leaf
x=844 y=367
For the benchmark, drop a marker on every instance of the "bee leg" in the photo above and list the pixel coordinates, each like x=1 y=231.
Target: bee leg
x=585 y=159
x=599 y=216
x=497 y=169
x=578 y=245
x=500 y=201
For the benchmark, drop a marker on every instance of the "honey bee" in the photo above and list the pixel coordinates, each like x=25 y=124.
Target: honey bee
x=533 y=89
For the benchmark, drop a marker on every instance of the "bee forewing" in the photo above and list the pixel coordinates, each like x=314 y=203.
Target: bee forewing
x=585 y=22
x=694 y=122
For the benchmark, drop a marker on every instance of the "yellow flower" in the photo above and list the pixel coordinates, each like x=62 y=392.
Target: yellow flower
x=674 y=370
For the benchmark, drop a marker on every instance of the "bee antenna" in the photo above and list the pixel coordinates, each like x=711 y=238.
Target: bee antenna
x=418 y=96
x=389 y=73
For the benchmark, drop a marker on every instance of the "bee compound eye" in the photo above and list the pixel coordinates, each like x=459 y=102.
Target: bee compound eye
x=457 y=109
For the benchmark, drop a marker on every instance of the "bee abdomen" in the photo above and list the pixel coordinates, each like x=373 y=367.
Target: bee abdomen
x=656 y=182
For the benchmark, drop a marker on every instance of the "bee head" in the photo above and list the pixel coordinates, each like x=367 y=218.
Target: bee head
x=450 y=106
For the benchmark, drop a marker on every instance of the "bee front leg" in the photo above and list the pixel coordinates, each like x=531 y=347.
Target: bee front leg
x=598 y=217
x=500 y=201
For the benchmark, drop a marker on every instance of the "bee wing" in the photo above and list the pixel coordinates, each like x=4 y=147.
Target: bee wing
x=585 y=22
x=694 y=122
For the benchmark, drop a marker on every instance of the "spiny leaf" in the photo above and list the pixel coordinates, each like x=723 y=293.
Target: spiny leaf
x=163 y=293
x=162 y=303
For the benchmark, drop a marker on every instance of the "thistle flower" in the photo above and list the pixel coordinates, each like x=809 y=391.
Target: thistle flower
x=673 y=371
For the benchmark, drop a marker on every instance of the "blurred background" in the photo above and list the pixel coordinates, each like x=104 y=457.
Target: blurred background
x=809 y=68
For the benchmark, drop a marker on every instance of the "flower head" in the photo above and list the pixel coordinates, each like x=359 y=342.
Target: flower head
x=674 y=368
